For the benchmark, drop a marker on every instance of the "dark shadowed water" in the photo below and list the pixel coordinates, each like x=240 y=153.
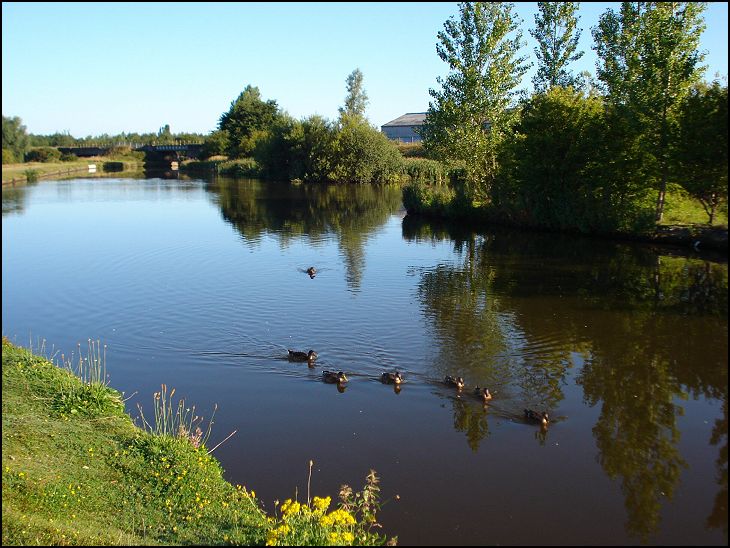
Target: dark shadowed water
x=203 y=287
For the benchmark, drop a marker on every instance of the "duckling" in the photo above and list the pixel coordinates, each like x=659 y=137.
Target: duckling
x=534 y=416
x=483 y=394
x=391 y=378
x=332 y=377
x=458 y=382
x=312 y=272
x=302 y=356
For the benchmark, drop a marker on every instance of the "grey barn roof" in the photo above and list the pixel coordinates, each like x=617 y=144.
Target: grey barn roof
x=408 y=119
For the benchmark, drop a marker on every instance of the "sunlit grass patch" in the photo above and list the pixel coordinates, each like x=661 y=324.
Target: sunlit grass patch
x=92 y=477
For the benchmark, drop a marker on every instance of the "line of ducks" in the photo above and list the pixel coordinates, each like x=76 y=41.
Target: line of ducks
x=396 y=378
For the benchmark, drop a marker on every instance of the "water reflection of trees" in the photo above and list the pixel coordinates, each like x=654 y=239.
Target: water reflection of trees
x=351 y=213
x=14 y=200
x=643 y=356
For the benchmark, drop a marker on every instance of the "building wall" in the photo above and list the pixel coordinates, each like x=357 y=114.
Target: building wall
x=404 y=134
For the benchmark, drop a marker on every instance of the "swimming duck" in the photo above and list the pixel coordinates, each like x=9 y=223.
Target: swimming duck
x=391 y=378
x=458 y=382
x=302 y=356
x=312 y=272
x=483 y=394
x=332 y=377
x=534 y=416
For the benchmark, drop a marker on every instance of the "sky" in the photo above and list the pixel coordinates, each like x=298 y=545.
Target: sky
x=107 y=67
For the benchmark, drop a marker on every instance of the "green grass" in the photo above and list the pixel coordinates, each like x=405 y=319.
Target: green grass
x=17 y=173
x=76 y=470
x=682 y=209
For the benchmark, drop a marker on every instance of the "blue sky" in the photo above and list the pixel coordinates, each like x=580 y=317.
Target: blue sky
x=94 y=68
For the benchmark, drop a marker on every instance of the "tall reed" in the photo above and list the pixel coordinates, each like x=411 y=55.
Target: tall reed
x=177 y=420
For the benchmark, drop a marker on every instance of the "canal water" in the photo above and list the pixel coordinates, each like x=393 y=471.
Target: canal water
x=202 y=286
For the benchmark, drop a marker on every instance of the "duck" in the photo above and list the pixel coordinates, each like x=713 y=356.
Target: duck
x=458 y=382
x=391 y=378
x=312 y=272
x=483 y=394
x=332 y=377
x=302 y=356
x=534 y=416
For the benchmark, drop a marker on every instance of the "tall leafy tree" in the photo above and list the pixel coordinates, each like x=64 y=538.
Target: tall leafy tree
x=648 y=61
x=356 y=100
x=469 y=116
x=557 y=38
x=247 y=120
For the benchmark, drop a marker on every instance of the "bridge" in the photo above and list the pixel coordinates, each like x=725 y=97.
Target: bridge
x=176 y=150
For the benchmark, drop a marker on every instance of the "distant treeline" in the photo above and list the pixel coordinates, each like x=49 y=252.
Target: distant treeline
x=19 y=146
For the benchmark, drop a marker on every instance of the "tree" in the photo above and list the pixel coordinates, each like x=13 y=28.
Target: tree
x=470 y=117
x=648 y=61
x=356 y=100
x=15 y=139
x=247 y=120
x=702 y=146
x=557 y=38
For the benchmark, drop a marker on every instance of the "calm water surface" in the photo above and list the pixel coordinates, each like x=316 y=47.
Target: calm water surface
x=202 y=286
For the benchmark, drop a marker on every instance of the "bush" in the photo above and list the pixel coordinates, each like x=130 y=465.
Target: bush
x=365 y=155
x=411 y=150
x=419 y=197
x=68 y=157
x=427 y=171
x=9 y=156
x=43 y=154
x=245 y=167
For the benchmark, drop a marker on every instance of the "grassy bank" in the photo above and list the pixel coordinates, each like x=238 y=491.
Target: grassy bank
x=19 y=173
x=77 y=470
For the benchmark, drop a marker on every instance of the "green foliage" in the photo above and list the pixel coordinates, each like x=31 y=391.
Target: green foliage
x=701 y=156
x=93 y=478
x=554 y=176
x=247 y=121
x=411 y=150
x=648 y=61
x=423 y=170
x=15 y=138
x=9 y=156
x=356 y=100
x=43 y=154
x=54 y=140
x=31 y=175
x=364 y=155
x=215 y=144
x=434 y=200
x=68 y=157
x=245 y=167
x=557 y=40
x=350 y=524
x=469 y=117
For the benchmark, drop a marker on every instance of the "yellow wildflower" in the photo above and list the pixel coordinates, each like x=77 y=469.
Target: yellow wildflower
x=321 y=504
x=290 y=507
x=337 y=517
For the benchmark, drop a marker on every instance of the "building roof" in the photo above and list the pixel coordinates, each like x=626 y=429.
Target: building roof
x=408 y=119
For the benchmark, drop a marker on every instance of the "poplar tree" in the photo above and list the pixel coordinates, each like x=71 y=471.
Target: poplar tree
x=469 y=116
x=356 y=100
x=557 y=38
x=648 y=61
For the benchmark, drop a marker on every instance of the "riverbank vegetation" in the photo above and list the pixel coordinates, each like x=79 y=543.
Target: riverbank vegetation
x=616 y=155
x=77 y=470
x=641 y=145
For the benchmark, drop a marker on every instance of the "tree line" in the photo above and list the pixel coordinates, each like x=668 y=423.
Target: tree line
x=20 y=146
x=579 y=153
